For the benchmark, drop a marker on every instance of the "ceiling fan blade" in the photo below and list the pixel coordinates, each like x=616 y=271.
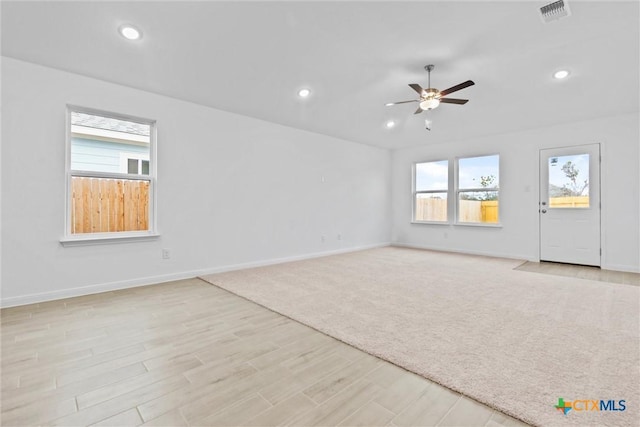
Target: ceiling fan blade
x=388 y=104
x=456 y=88
x=417 y=88
x=453 y=101
x=418 y=111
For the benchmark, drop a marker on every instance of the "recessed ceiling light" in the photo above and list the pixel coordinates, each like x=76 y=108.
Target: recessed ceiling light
x=390 y=124
x=130 y=32
x=303 y=93
x=561 y=74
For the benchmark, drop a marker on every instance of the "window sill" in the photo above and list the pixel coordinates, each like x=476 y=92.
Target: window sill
x=107 y=239
x=477 y=224
x=431 y=222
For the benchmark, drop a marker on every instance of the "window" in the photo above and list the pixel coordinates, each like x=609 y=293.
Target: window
x=111 y=175
x=134 y=163
x=431 y=185
x=478 y=189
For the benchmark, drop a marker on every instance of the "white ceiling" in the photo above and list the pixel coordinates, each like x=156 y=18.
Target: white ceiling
x=252 y=57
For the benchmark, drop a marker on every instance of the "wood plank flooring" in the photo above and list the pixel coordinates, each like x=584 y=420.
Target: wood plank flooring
x=187 y=353
x=581 y=272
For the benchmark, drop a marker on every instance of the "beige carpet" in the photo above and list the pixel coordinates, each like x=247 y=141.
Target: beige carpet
x=514 y=340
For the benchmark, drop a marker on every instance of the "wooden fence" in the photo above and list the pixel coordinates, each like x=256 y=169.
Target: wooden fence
x=569 y=202
x=469 y=210
x=489 y=211
x=485 y=211
x=108 y=205
x=431 y=209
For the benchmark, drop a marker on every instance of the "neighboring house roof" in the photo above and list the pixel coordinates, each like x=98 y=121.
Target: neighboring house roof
x=106 y=123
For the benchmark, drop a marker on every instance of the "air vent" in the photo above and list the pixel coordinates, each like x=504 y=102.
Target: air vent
x=554 y=11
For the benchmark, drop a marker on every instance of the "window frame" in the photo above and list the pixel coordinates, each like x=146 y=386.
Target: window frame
x=457 y=192
x=114 y=236
x=415 y=192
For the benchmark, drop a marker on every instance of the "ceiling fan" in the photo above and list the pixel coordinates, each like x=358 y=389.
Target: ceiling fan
x=430 y=98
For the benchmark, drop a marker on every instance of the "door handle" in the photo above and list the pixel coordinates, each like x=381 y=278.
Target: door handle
x=543 y=211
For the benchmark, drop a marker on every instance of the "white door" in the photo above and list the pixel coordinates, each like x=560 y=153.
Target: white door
x=570 y=205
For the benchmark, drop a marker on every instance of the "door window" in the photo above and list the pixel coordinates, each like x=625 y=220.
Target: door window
x=569 y=181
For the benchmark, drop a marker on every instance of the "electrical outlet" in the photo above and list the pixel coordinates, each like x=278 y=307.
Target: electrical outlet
x=339 y=236
x=166 y=253
x=323 y=238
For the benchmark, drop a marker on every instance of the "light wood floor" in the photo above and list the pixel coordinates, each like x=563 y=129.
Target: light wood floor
x=188 y=353
x=581 y=272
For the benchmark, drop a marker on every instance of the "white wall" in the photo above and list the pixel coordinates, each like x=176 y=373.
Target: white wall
x=216 y=169
x=232 y=190
x=519 y=153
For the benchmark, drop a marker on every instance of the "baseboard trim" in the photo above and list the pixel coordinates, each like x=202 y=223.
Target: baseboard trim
x=466 y=252
x=273 y=261
x=151 y=280
x=91 y=289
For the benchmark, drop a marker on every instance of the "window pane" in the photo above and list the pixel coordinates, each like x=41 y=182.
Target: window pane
x=145 y=167
x=432 y=176
x=569 y=181
x=104 y=144
x=132 y=166
x=101 y=205
x=431 y=207
x=479 y=172
x=478 y=206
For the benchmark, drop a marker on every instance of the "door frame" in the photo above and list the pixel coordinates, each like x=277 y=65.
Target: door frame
x=602 y=197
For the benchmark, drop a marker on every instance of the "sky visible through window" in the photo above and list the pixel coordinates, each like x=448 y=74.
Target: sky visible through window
x=471 y=169
x=432 y=176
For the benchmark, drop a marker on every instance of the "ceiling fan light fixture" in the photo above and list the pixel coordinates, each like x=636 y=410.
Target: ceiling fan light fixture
x=561 y=74
x=430 y=104
x=390 y=124
x=430 y=98
x=304 y=93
